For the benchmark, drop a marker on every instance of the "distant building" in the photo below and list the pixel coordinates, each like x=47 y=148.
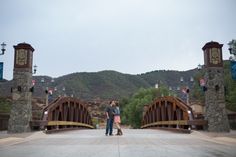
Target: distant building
x=156 y=85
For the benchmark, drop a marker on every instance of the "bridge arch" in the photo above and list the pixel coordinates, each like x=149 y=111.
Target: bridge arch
x=66 y=113
x=169 y=112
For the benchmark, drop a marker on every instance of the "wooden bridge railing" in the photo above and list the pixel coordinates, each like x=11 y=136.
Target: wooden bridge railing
x=170 y=112
x=66 y=113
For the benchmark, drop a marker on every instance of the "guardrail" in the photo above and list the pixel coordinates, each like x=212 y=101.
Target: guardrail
x=65 y=113
x=176 y=123
x=170 y=112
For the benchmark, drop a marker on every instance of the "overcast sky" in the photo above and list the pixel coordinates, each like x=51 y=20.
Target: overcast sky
x=129 y=36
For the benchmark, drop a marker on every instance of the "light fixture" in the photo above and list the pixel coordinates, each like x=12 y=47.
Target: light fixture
x=3 y=45
x=35 y=69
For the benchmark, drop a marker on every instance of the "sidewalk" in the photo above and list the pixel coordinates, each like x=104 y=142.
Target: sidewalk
x=10 y=139
x=4 y=134
x=222 y=138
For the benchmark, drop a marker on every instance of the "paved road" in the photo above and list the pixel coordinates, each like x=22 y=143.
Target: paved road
x=134 y=143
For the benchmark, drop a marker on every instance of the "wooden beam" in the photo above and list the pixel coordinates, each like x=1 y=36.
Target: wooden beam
x=65 y=123
x=176 y=122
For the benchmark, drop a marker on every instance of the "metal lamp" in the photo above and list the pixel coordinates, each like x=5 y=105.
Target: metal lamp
x=3 y=45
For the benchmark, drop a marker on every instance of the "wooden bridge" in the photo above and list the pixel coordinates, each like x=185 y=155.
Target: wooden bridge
x=66 y=113
x=169 y=112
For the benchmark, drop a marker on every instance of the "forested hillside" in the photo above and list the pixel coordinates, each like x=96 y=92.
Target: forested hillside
x=115 y=85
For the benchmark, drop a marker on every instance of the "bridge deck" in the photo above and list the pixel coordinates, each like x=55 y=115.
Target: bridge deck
x=134 y=143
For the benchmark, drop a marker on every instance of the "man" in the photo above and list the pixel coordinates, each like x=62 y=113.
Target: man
x=110 y=118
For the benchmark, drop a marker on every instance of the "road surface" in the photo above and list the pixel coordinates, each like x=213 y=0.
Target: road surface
x=134 y=143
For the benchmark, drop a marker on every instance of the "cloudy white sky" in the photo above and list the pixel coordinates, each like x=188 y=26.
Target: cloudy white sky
x=129 y=36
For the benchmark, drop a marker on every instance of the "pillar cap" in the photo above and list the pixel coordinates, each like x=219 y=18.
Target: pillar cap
x=212 y=44
x=24 y=46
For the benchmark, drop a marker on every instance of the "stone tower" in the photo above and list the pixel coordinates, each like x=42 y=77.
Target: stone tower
x=215 y=112
x=21 y=112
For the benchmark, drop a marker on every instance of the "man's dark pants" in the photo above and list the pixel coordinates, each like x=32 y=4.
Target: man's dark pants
x=109 y=126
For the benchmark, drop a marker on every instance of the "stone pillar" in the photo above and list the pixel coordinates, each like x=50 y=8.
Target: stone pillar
x=21 y=112
x=215 y=112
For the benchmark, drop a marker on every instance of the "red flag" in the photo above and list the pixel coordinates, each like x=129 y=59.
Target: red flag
x=202 y=82
x=33 y=82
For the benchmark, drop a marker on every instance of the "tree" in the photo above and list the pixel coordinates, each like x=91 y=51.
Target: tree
x=133 y=107
x=5 y=105
x=230 y=87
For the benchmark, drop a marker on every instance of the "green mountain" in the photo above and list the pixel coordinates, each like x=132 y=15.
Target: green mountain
x=115 y=85
x=104 y=84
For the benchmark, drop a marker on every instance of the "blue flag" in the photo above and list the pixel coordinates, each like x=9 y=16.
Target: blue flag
x=1 y=70
x=233 y=69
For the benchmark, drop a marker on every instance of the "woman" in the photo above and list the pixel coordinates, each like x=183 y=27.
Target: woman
x=117 y=119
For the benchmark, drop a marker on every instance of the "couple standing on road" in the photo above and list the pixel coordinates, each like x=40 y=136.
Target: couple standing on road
x=113 y=115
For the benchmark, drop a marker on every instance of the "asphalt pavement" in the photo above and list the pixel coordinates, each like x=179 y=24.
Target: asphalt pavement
x=134 y=143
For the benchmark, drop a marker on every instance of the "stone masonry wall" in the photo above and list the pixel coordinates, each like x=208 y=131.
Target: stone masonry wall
x=21 y=112
x=215 y=101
